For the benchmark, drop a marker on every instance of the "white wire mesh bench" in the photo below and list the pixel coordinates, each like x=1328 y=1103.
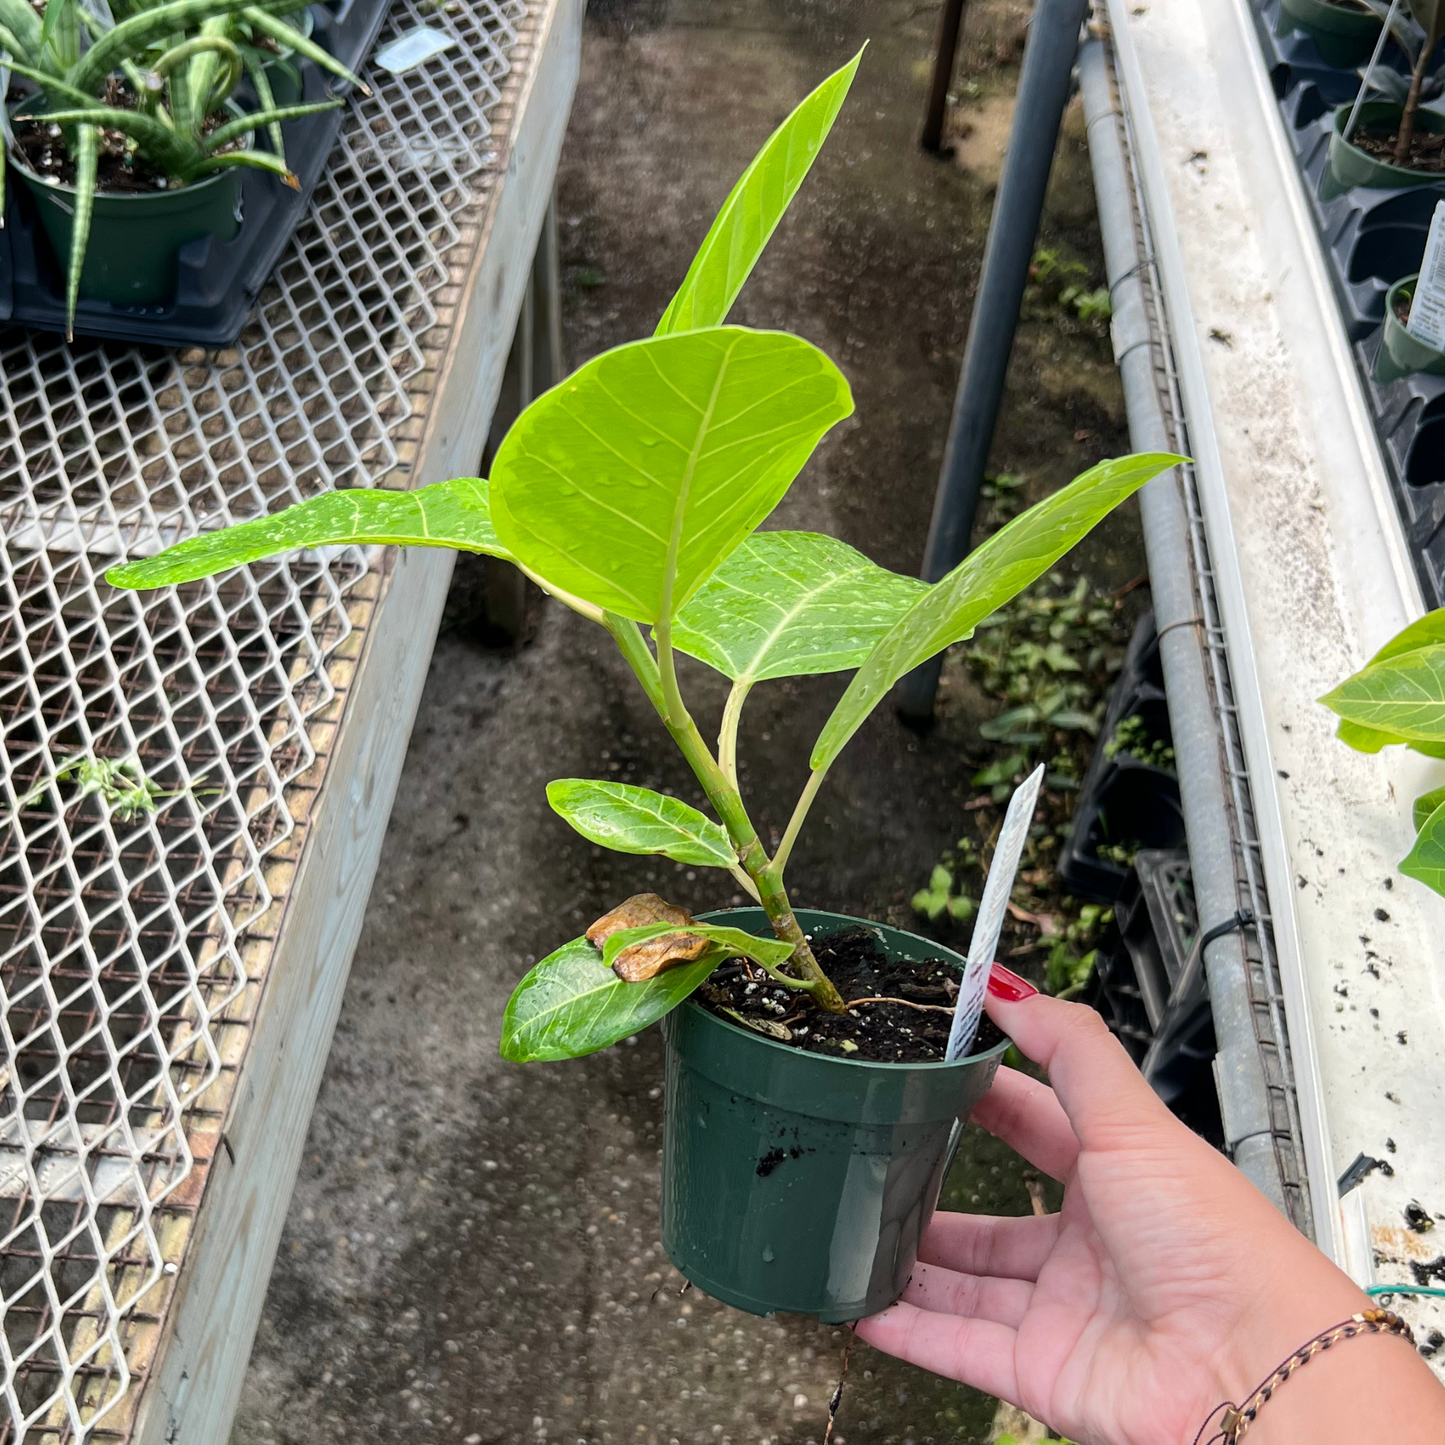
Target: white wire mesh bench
x=169 y=981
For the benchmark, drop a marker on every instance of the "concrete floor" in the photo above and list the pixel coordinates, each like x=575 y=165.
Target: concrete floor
x=472 y=1252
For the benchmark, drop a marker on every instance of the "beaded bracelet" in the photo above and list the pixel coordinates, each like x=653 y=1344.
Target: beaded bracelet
x=1238 y=1418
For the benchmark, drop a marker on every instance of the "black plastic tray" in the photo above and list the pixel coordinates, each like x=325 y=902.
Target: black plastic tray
x=218 y=281
x=1371 y=238
x=1122 y=799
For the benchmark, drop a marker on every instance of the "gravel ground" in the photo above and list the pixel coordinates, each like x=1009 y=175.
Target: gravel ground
x=471 y=1253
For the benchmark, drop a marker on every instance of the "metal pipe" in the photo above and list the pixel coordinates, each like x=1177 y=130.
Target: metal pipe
x=1043 y=92
x=1194 y=723
x=950 y=23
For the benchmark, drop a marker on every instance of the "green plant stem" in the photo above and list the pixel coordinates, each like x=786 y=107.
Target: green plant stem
x=727 y=738
x=728 y=804
x=795 y=823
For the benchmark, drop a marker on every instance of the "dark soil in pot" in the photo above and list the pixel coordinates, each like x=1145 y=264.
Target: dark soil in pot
x=1427 y=150
x=904 y=1006
x=39 y=147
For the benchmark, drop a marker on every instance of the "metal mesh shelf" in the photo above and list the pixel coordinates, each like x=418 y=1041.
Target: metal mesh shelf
x=134 y=950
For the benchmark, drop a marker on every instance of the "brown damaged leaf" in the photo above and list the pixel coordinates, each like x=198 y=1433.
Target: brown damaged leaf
x=647 y=959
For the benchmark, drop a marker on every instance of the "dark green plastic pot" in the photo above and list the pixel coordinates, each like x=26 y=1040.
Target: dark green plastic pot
x=797 y=1182
x=131 y=256
x=1349 y=166
x=1400 y=352
x=1344 y=35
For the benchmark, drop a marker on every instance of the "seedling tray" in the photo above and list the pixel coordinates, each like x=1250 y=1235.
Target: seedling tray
x=217 y=281
x=1123 y=800
x=1371 y=238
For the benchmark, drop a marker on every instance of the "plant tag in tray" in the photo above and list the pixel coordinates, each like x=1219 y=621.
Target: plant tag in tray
x=1427 y=309
x=414 y=48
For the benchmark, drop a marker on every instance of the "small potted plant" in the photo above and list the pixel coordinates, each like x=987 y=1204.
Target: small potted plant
x=1398 y=700
x=1344 y=31
x=1401 y=352
x=133 y=146
x=1396 y=141
x=810 y=1111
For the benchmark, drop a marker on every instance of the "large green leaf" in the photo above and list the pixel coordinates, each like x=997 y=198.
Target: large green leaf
x=788 y=603
x=1426 y=804
x=1425 y=862
x=637 y=820
x=571 y=1004
x=751 y=213
x=987 y=578
x=1423 y=632
x=631 y=481
x=1403 y=696
x=772 y=952
x=449 y=514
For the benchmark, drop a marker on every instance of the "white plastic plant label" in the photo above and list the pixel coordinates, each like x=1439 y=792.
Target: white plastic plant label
x=997 y=890
x=1427 y=310
x=414 y=48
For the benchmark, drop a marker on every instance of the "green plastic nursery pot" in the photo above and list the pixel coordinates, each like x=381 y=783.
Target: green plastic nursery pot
x=1400 y=352
x=1349 y=166
x=131 y=257
x=1344 y=35
x=793 y=1181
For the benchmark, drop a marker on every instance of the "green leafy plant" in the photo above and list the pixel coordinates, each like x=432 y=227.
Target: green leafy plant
x=118 y=782
x=1398 y=699
x=1072 y=953
x=154 y=85
x=1132 y=736
x=632 y=493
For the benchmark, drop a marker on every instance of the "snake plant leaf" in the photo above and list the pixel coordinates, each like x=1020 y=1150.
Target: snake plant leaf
x=637 y=820
x=1426 y=804
x=1425 y=862
x=293 y=39
x=1404 y=696
x=447 y=514
x=244 y=125
x=770 y=951
x=572 y=1004
x=627 y=484
x=987 y=578
x=752 y=211
x=87 y=161
x=20 y=19
x=785 y=604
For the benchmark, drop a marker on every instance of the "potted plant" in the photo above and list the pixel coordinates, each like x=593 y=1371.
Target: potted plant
x=1398 y=699
x=1344 y=31
x=810 y=1116
x=134 y=142
x=1401 y=352
x=1396 y=141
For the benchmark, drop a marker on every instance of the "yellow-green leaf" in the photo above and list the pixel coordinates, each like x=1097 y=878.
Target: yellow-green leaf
x=752 y=211
x=1425 y=862
x=449 y=514
x=637 y=820
x=1404 y=696
x=987 y=578
x=785 y=604
x=630 y=482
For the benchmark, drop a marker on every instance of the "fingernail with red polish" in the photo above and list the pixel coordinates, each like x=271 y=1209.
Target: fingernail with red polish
x=1007 y=985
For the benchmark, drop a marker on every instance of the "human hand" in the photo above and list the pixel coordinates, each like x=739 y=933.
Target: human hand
x=1166 y=1284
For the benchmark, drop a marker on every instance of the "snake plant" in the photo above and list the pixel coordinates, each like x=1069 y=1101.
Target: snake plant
x=180 y=62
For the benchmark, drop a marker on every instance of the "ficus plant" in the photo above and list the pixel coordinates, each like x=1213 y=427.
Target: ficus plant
x=1398 y=699
x=178 y=64
x=1417 y=34
x=633 y=493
